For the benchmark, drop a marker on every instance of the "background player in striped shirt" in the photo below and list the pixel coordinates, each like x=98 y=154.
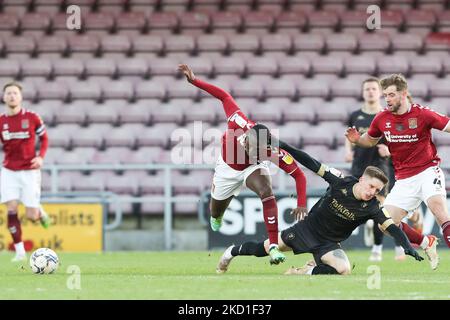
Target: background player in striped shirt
x=20 y=174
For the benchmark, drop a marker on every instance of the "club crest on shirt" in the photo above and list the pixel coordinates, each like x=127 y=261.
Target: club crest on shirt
x=288 y=159
x=344 y=191
x=25 y=124
x=364 y=204
x=412 y=123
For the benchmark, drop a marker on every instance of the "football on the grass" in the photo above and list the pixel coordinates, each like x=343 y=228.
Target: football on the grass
x=44 y=261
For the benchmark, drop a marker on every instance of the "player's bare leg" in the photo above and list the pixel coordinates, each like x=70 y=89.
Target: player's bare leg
x=333 y=262
x=15 y=230
x=428 y=243
x=251 y=248
x=260 y=183
x=217 y=209
x=38 y=214
x=438 y=206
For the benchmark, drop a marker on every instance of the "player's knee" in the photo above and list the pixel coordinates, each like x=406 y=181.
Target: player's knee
x=344 y=269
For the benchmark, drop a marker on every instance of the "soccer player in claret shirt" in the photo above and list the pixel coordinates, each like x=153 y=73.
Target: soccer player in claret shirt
x=20 y=174
x=406 y=128
x=347 y=203
x=245 y=149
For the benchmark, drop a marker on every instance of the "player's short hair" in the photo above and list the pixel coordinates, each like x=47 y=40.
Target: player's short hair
x=262 y=131
x=12 y=84
x=397 y=80
x=375 y=172
x=371 y=79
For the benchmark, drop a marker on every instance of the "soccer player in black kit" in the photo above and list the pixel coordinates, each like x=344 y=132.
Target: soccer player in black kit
x=377 y=156
x=347 y=203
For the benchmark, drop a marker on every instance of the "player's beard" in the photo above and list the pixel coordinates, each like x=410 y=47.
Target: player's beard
x=394 y=108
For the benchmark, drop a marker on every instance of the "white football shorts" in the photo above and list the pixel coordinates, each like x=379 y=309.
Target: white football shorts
x=22 y=185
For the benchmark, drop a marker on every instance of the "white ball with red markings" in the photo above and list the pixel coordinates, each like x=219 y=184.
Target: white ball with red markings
x=44 y=261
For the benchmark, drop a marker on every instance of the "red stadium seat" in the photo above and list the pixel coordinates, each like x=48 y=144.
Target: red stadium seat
x=443 y=20
x=86 y=90
x=418 y=88
x=408 y=41
x=328 y=64
x=61 y=135
x=268 y=111
x=157 y=135
x=276 y=42
x=153 y=184
x=135 y=21
x=360 y=64
x=341 y=42
x=294 y=65
x=124 y=136
x=290 y=20
x=77 y=156
x=53 y=154
x=310 y=42
x=323 y=19
x=100 y=67
x=102 y=114
x=35 y=22
x=345 y=88
x=163 y=66
x=171 y=112
x=263 y=20
x=180 y=43
x=147 y=43
x=393 y=64
x=53 y=90
x=121 y=184
x=52 y=44
x=118 y=89
x=68 y=67
x=21 y=44
x=440 y=88
x=304 y=110
x=139 y=112
x=9 y=68
x=9 y=22
x=229 y=65
x=280 y=88
x=84 y=183
x=193 y=21
x=72 y=113
x=244 y=42
x=132 y=67
x=166 y=21
x=208 y=110
x=47 y=109
x=423 y=64
x=150 y=89
x=262 y=65
x=247 y=89
x=181 y=89
x=98 y=21
x=91 y=136
x=420 y=19
x=36 y=67
x=212 y=42
x=115 y=43
x=374 y=42
x=311 y=88
x=226 y=20
x=84 y=43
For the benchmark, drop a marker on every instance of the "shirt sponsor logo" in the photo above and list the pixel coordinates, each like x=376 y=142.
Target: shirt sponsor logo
x=15 y=135
x=412 y=123
x=25 y=124
x=5 y=126
x=388 y=125
x=400 y=137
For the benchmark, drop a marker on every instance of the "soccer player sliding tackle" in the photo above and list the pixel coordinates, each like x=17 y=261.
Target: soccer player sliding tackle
x=246 y=147
x=407 y=130
x=347 y=203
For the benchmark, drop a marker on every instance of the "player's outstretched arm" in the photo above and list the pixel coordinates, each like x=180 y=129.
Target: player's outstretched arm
x=364 y=141
x=302 y=157
x=211 y=89
x=401 y=238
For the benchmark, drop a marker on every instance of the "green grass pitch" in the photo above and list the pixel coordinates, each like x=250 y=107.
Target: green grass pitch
x=191 y=275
